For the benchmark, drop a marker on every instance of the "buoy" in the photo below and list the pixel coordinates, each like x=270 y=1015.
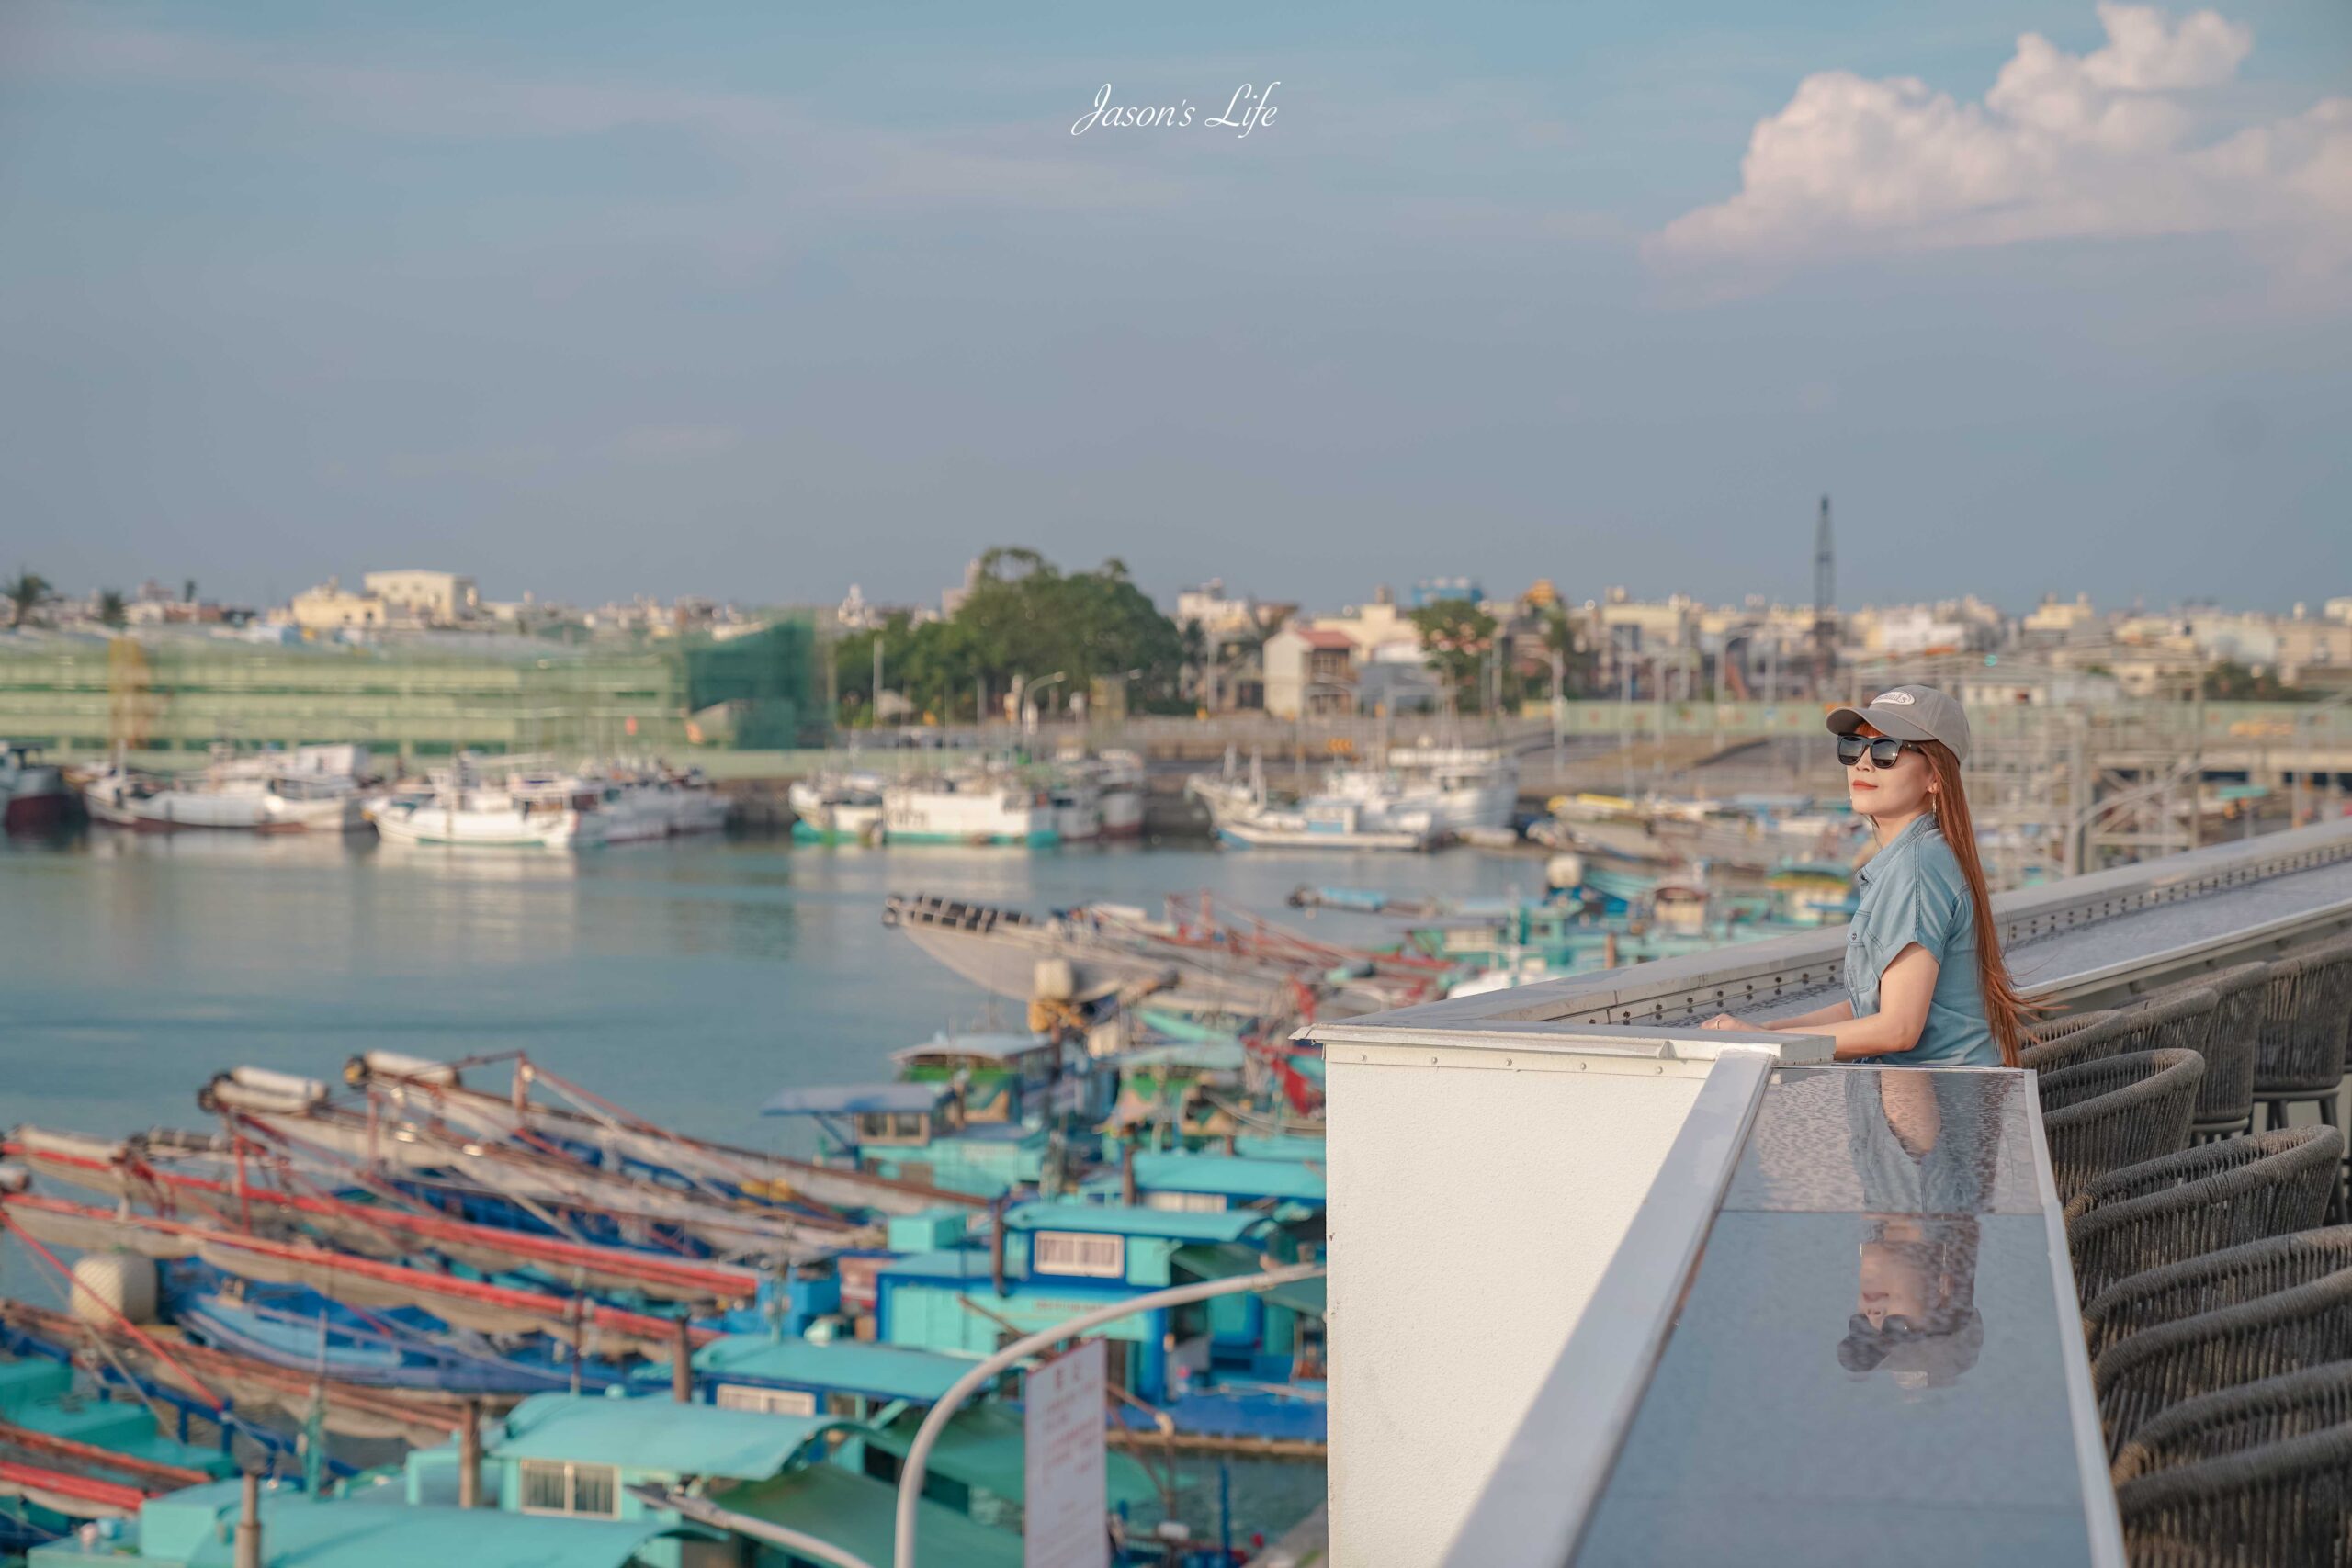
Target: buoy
x=1053 y=980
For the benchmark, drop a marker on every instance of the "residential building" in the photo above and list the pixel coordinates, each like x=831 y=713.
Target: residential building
x=426 y=598
x=1309 y=670
x=329 y=608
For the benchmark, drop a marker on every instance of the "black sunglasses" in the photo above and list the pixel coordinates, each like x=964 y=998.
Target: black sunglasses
x=1884 y=749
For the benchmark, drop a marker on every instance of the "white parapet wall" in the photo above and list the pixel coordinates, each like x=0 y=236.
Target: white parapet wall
x=1479 y=1188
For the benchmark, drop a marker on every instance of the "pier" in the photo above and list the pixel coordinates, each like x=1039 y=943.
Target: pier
x=1590 y=1264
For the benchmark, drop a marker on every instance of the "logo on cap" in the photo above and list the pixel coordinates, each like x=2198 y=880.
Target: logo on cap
x=1892 y=699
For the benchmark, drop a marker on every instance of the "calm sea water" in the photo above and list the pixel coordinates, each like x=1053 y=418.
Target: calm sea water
x=687 y=981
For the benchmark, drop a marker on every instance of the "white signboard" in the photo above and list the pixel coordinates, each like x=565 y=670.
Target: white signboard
x=1068 y=1494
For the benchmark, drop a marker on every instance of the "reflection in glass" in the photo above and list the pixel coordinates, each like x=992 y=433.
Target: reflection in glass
x=1920 y=1145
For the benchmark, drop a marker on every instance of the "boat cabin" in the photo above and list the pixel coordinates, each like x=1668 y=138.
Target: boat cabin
x=1062 y=1258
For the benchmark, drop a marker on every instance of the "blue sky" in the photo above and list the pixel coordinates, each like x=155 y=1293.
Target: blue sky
x=759 y=300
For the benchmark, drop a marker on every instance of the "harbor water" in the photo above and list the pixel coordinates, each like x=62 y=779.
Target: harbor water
x=687 y=980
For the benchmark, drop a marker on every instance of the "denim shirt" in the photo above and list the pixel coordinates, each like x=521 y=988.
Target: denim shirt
x=1913 y=891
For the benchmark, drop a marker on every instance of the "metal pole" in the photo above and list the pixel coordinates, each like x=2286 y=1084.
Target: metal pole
x=248 y=1542
x=918 y=1460
x=470 y=1457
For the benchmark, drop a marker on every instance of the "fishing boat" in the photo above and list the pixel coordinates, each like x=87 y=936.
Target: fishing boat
x=639 y=802
x=1328 y=822
x=1120 y=777
x=1243 y=813
x=975 y=808
x=1197 y=961
x=1462 y=789
x=521 y=808
x=314 y=788
x=836 y=808
x=34 y=795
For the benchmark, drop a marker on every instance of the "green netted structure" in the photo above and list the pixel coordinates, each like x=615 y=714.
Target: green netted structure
x=763 y=682
x=421 y=697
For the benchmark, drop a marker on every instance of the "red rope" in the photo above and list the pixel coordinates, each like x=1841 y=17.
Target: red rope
x=144 y=1338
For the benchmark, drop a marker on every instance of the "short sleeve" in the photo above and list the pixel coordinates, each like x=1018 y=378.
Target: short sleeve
x=1913 y=908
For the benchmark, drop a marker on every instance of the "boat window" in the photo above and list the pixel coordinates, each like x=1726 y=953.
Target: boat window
x=558 y=1486
x=1077 y=1252
x=768 y=1401
x=907 y=1124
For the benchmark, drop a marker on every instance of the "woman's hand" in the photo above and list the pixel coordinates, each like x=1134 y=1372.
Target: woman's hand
x=1724 y=1021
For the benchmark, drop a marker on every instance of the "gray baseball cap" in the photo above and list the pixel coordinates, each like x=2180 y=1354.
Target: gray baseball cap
x=1910 y=713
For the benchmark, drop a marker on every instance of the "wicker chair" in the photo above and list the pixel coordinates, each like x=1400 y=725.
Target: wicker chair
x=2060 y=1025
x=2233 y=1275
x=2225 y=1102
x=2233 y=1420
x=2306 y=1012
x=2205 y=1491
x=2202 y=1200
x=2136 y=1376
x=2097 y=1034
x=2103 y=1115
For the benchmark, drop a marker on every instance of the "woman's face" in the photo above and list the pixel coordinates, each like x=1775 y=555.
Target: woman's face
x=1892 y=1284
x=1898 y=791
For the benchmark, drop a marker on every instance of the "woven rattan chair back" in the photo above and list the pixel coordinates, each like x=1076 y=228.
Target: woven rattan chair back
x=2283 y=1504
x=2306 y=1014
x=2233 y=1420
x=2117 y=1110
x=2202 y=1200
x=2158 y=1296
x=2285 y=1331
x=2101 y=1034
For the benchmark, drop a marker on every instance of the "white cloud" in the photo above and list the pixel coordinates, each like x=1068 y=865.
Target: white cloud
x=2124 y=141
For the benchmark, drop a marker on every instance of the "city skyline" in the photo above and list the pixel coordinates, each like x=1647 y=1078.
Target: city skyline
x=2048 y=298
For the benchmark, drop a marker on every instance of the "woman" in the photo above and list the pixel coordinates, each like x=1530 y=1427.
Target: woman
x=1925 y=984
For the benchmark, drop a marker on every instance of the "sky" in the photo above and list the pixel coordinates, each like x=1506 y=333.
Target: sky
x=759 y=300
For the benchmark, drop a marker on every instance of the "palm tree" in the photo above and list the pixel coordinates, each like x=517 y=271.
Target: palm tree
x=28 y=593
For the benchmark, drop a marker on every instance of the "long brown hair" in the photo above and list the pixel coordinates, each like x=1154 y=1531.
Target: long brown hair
x=2004 y=1011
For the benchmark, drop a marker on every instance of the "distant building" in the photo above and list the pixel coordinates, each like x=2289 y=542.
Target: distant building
x=1309 y=670
x=1216 y=611
x=2057 y=620
x=328 y=608
x=426 y=598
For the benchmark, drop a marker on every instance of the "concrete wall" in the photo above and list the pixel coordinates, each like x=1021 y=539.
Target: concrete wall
x=1448 y=1308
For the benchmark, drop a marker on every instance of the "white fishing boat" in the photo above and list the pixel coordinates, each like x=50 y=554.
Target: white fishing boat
x=836 y=808
x=1077 y=800
x=522 y=810
x=1461 y=788
x=968 y=808
x=645 y=801
x=1328 y=822
x=313 y=788
x=1242 y=813
x=1120 y=776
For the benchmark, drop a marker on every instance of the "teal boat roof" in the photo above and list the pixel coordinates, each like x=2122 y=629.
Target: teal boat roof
x=653 y=1435
x=887 y=1370
x=1295 y=1147
x=985 y=1446
x=858 y=1513
x=340 y=1533
x=849 y=1100
x=994 y=1047
x=952 y=1263
x=1231 y=1176
x=1120 y=1219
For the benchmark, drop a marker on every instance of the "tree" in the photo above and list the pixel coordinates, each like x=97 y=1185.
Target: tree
x=1455 y=635
x=27 y=595
x=110 y=607
x=1564 y=637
